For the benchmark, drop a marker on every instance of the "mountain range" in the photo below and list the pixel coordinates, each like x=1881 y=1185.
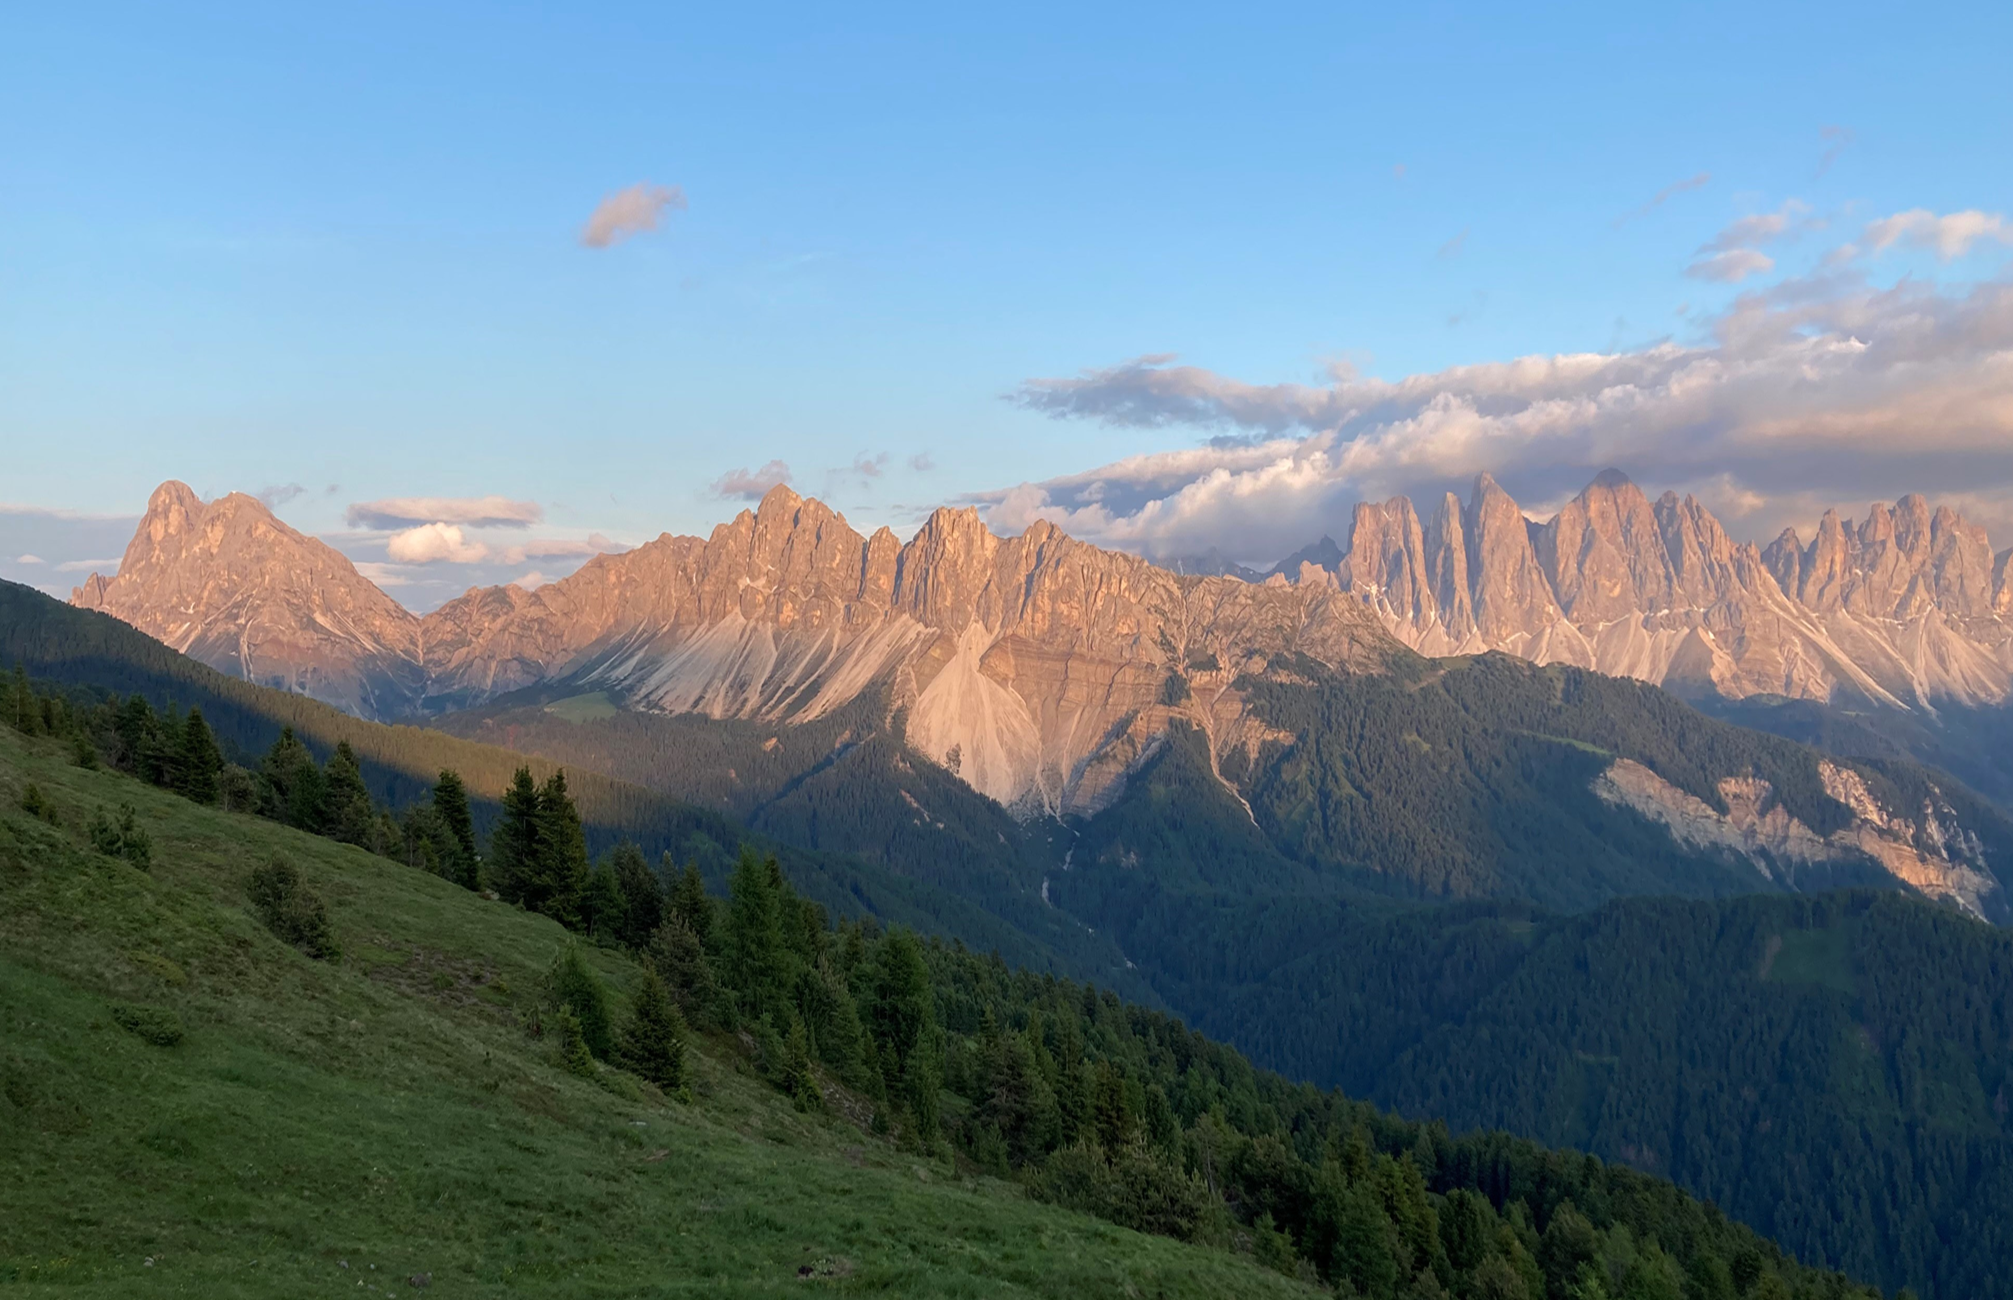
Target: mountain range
x=1909 y=608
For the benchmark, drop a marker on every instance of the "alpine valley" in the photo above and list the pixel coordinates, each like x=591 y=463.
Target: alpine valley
x=1440 y=812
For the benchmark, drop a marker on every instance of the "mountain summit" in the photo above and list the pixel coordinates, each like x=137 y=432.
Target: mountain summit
x=1038 y=668
x=1909 y=608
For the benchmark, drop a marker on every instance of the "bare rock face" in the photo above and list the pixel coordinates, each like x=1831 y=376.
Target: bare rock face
x=1909 y=608
x=1038 y=668
x=1932 y=854
x=229 y=584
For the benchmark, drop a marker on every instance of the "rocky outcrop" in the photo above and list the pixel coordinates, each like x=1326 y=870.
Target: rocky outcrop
x=1934 y=855
x=1038 y=668
x=229 y=584
x=1908 y=608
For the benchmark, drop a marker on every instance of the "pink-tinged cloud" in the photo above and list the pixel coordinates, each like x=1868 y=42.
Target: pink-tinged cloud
x=1732 y=266
x=631 y=212
x=751 y=484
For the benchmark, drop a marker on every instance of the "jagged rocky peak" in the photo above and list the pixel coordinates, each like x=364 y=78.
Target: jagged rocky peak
x=1908 y=607
x=1035 y=666
x=229 y=583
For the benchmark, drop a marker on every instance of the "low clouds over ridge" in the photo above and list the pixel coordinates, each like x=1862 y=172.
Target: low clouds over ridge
x=1816 y=390
x=472 y=512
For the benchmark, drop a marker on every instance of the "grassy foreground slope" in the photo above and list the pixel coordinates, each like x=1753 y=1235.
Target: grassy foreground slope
x=385 y=1117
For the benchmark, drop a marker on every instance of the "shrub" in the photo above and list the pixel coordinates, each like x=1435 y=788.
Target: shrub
x=122 y=838
x=574 y=1057
x=291 y=910
x=575 y=986
x=156 y=1025
x=1136 y=1187
x=36 y=804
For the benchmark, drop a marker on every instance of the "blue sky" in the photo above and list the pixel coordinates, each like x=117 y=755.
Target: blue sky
x=340 y=247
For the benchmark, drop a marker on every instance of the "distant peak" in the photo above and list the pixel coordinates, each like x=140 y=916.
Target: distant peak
x=1611 y=479
x=174 y=495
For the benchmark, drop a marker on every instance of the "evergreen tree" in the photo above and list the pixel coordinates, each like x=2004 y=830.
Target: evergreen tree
x=601 y=911
x=642 y=896
x=676 y=954
x=456 y=845
x=691 y=904
x=901 y=1017
x=562 y=867
x=134 y=725
x=575 y=1057
x=755 y=959
x=517 y=844
x=289 y=784
x=575 y=986
x=201 y=762
x=347 y=812
x=653 y=1042
x=450 y=804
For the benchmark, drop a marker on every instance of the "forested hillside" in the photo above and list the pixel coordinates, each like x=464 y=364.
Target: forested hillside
x=102 y=657
x=742 y=1101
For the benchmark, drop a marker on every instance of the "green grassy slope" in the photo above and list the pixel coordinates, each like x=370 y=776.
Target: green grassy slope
x=343 y=1127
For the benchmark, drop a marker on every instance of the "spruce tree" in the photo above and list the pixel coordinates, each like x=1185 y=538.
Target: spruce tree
x=677 y=955
x=653 y=1041
x=134 y=724
x=576 y=986
x=642 y=896
x=201 y=760
x=691 y=904
x=574 y=1055
x=562 y=865
x=290 y=784
x=601 y=905
x=450 y=805
x=517 y=843
x=755 y=957
x=347 y=812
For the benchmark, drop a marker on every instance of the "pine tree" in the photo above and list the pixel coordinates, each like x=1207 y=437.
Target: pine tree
x=642 y=896
x=677 y=955
x=133 y=725
x=575 y=986
x=575 y=1057
x=562 y=865
x=290 y=784
x=450 y=805
x=348 y=814
x=756 y=961
x=691 y=904
x=601 y=910
x=517 y=843
x=653 y=1042
x=201 y=761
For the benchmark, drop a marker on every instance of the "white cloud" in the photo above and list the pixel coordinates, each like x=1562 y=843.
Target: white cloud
x=107 y=567
x=922 y=462
x=474 y=512
x=383 y=575
x=630 y=212
x=531 y=581
x=29 y=559
x=1837 y=139
x=1951 y=235
x=275 y=497
x=1820 y=388
x=1756 y=229
x=1732 y=266
x=432 y=543
x=751 y=484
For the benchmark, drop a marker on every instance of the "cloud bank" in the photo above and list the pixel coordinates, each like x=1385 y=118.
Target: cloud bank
x=1819 y=390
x=471 y=512
x=630 y=212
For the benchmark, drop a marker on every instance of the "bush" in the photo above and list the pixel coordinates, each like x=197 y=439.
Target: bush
x=122 y=838
x=36 y=804
x=156 y=1025
x=1136 y=1187
x=291 y=910
x=574 y=1057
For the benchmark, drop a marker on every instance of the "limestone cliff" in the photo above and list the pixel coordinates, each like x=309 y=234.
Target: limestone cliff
x=1909 y=608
